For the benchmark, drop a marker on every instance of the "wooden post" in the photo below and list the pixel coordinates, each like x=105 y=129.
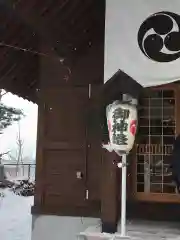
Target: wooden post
x=110 y=188
x=177 y=109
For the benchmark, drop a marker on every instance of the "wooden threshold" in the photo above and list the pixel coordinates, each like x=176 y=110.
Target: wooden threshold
x=93 y=210
x=157 y=197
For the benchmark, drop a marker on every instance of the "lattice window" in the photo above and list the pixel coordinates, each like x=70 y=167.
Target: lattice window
x=155 y=141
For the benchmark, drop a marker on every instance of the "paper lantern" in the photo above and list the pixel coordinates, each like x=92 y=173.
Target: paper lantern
x=122 y=126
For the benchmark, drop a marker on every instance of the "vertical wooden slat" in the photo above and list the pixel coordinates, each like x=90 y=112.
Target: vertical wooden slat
x=94 y=141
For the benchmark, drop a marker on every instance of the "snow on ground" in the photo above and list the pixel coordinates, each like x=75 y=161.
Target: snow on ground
x=143 y=230
x=15 y=217
x=15 y=222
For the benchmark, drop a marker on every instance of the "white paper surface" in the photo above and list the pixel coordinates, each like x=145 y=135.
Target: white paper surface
x=122 y=49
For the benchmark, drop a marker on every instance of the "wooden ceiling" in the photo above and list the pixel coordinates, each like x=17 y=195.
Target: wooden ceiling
x=69 y=27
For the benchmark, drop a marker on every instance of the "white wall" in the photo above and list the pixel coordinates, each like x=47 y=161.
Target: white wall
x=60 y=228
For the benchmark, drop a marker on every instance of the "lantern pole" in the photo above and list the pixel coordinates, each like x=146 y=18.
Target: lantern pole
x=123 y=196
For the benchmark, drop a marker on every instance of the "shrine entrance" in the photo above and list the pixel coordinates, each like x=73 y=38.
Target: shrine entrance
x=158 y=126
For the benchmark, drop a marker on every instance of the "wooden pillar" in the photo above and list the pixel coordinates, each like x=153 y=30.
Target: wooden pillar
x=64 y=150
x=110 y=190
x=177 y=110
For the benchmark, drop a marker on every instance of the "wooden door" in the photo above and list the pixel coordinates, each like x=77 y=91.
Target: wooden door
x=159 y=123
x=64 y=146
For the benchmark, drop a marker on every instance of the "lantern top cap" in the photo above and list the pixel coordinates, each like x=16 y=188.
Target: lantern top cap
x=128 y=98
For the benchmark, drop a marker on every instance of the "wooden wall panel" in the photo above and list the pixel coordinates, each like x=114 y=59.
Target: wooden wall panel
x=69 y=138
x=64 y=146
x=65 y=131
x=62 y=180
x=66 y=112
x=88 y=69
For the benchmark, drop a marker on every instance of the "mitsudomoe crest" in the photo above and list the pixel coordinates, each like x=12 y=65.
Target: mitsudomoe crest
x=159 y=37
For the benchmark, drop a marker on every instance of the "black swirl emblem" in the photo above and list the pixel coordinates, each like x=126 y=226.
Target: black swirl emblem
x=159 y=37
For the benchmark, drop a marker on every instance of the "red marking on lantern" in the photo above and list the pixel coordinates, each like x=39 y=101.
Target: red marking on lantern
x=109 y=126
x=133 y=127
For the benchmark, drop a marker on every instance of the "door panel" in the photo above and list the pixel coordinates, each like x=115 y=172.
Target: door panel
x=157 y=130
x=64 y=146
x=66 y=114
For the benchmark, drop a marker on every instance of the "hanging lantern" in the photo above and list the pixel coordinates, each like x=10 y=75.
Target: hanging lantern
x=122 y=126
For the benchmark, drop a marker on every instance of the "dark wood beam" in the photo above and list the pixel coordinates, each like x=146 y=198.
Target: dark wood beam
x=38 y=24
x=110 y=187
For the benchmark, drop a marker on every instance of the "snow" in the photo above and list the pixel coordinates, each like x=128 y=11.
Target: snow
x=15 y=216
x=16 y=222
x=140 y=230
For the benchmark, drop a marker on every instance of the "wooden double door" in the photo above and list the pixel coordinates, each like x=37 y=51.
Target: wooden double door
x=159 y=123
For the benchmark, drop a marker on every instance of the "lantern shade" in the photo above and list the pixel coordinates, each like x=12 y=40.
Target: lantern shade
x=122 y=125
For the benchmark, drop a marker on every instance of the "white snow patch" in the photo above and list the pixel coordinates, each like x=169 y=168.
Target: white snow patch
x=15 y=217
x=139 y=230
